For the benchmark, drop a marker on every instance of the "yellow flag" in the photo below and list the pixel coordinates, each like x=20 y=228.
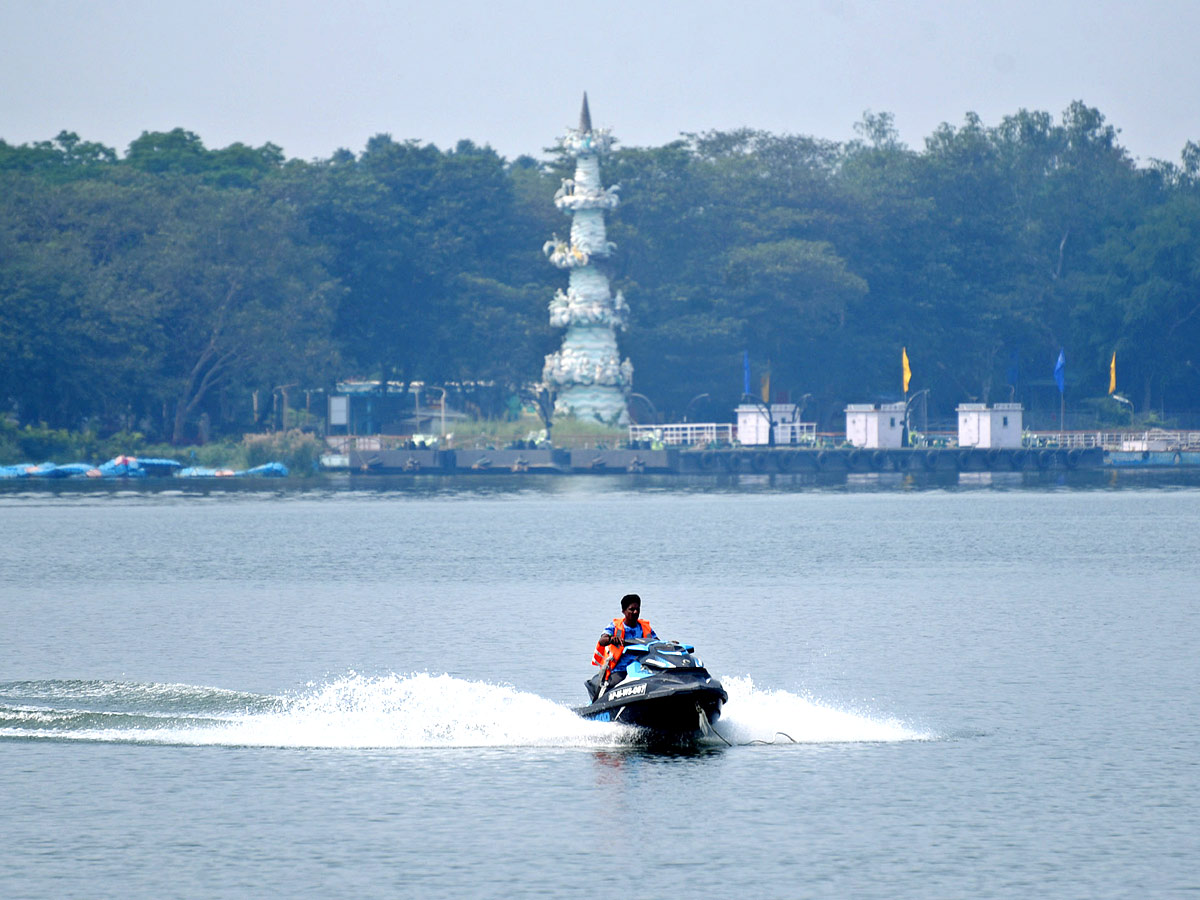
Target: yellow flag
x=904 y=365
x=1112 y=374
x=766 y=387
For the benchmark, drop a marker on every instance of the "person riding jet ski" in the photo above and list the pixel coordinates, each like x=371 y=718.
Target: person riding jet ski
x=610 y=648
x=656 y=685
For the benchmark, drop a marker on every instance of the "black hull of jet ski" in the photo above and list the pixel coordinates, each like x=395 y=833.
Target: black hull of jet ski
x=679 y=703
x=684 y=712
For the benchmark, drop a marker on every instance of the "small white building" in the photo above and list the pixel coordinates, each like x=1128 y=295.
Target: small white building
x=875 y=426
x=996 y=428
x=753 y=425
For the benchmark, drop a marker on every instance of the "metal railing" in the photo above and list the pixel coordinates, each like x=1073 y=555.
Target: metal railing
x=1151 y=439
x=344 y=443
x=690 y=434
x=685 y=433
x=795 y=432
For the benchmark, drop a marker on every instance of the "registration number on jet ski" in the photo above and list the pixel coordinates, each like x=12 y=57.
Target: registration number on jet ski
x=631 y=691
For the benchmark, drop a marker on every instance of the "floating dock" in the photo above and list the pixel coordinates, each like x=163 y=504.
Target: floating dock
x=950 y=459
x=726 y=460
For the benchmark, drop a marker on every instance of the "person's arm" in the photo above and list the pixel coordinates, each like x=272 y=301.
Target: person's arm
x=608 y=636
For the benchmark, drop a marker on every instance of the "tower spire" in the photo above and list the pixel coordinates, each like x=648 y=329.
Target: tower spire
x=585 y=117
x=591 y=380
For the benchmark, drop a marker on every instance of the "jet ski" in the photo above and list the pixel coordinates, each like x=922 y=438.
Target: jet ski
x=666 y=691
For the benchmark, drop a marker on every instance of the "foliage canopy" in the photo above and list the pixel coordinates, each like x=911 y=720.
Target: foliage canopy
x=158 y=290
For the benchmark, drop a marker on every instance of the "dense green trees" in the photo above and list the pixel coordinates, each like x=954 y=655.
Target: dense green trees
x=140 y=300
x=165 y=286
x=428 y=246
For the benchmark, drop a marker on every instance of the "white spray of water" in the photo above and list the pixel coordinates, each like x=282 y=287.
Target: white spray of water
x=356 y=711
x=753 y=714
x=418 y=711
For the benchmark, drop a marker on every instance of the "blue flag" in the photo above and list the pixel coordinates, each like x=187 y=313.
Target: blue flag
x=1060 y=369
x=745 y=372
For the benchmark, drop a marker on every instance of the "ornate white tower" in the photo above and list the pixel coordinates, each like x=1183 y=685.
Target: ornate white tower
x=587 y=372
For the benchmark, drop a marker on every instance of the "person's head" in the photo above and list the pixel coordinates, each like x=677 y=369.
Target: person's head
x=631 y=606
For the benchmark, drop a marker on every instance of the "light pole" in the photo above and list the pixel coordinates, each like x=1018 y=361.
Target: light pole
x=798 y=413
x=416 y=410
x=443 y=390
x=766 y=407
x=1125 y=401
x=648 y=402
x=802 y=405
x=687 y=409
x=908 y=406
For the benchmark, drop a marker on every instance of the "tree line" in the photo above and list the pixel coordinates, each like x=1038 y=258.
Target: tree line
x=164 y=289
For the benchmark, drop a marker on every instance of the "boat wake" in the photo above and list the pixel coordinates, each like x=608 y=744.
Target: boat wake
x=393 y=711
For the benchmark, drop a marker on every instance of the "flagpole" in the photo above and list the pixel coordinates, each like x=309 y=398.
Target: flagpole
x=1061 y=380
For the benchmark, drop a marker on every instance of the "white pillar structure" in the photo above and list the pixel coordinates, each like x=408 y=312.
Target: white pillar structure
x=590 y=379
x=753 y=426
x=875 y=426
x=996 y=428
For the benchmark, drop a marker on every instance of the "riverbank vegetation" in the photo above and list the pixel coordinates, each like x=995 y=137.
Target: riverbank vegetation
x=182 y=293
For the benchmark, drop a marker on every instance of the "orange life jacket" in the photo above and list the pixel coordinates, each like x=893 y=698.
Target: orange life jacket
x=613 y=651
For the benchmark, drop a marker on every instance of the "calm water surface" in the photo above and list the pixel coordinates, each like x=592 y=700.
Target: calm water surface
x=982 y=688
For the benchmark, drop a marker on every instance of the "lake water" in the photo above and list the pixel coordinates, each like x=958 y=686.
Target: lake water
x=984 y=687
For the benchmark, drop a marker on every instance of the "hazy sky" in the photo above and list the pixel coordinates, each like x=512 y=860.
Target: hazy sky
x=316 y=76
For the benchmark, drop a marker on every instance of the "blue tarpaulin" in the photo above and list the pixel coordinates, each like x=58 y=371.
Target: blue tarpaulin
x=136 y=467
